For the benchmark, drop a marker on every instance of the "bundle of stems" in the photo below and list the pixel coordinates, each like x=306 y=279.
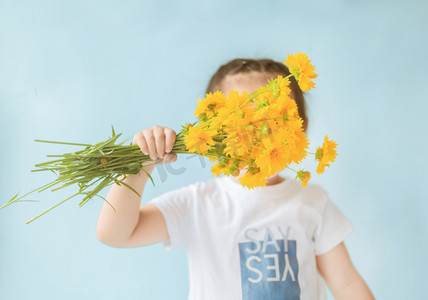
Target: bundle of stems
x=94 y=168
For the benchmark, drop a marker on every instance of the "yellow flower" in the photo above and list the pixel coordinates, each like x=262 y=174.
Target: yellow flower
x=234 y=112
x=238 y=141
x=255 y=151
x=295 y=138
x=287 y=106
x=263 y=105
x=299 y=151
x=198 y=140
x=274 y=158
x=234 y=101
x=279 y=86
x=302 y=70
x=253 y=178
x=304 y=177
x=325 y=154
x=220 y=168
x=284 y=86
x=210 y=104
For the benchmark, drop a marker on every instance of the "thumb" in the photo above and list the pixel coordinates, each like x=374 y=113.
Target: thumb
x=169 y=157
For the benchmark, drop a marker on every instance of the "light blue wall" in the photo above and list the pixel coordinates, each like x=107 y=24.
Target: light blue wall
x=70 y=69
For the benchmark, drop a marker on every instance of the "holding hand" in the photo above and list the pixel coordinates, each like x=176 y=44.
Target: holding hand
x=157 y=142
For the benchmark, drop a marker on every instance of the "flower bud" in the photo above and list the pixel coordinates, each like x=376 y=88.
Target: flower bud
x=203 y=117
x=236 y=173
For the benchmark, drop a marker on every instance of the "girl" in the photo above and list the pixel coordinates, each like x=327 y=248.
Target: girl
x=275 y=242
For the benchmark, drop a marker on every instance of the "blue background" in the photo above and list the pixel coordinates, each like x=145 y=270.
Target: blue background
x=71 y=69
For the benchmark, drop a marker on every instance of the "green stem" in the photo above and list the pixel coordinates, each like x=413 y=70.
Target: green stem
x=257 y=121
x=52 y=207
x=258 y=147
x=64 y=143
x=292 y=169
x=247 y=126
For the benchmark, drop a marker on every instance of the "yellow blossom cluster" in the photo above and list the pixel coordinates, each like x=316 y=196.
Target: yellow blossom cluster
x=260 y=133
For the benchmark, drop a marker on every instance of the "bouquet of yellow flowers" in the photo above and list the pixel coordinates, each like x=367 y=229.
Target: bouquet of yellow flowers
x=260 y=133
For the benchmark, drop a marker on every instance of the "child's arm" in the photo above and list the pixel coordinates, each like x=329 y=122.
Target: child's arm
x=132 y=225
x=340 y=275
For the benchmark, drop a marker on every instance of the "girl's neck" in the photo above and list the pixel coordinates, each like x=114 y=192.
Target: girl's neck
x=274 y=180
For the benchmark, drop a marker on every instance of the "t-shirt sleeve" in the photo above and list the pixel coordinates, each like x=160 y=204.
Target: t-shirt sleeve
x=332 y=229
x=176 y=209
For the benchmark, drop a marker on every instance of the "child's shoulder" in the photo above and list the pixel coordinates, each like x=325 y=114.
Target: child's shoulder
x=314 y=189
x=204 y=187
x=313 y=195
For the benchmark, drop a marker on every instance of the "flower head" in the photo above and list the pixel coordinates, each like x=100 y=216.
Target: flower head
x=238 y=141
x=286 y=107
x=304 y=177
x=301 y=68
x=253 y=178
x=210 y=104
x=279 y=86
x=220 y=167
x=274 y=158
x=234 y=111
x=325 y=154
x=199 y=140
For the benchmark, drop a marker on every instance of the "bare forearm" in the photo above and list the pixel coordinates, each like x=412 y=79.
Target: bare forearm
x=341 y=276
x=357 y=290
x=117 y=225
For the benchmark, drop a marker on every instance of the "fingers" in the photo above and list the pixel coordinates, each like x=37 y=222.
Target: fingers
x=156 y=142
x=169 y=158
x=158 y=133
x=169 y=139
x=151 y=144
x=140 y=140
x=146 y=141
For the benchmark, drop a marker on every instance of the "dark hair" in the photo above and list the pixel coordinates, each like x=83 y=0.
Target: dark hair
x=263 y=66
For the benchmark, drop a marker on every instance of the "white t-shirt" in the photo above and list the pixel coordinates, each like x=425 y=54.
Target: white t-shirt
x=252 y=244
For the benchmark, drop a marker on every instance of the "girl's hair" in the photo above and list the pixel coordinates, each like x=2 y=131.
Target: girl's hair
x=263 y=66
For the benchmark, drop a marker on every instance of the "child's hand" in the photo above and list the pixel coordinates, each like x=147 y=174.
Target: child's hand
x=156 y=142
